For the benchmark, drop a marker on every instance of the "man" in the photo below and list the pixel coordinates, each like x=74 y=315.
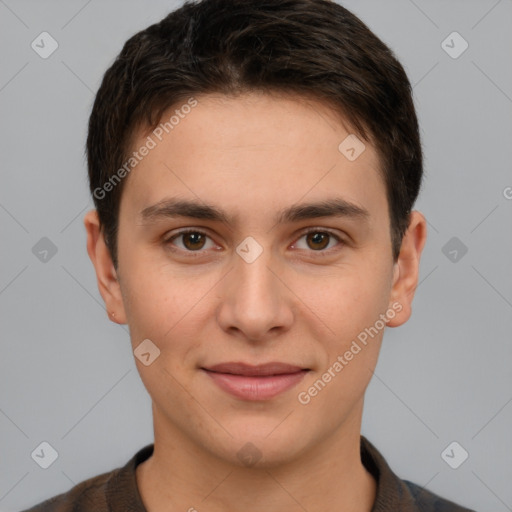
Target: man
x=254 y=165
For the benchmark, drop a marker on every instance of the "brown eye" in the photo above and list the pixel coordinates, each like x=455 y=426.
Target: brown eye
x=193 y=241
x=317 y=240
x=190 y=241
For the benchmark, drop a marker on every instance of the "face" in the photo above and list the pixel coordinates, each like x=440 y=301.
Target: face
x=247 y=237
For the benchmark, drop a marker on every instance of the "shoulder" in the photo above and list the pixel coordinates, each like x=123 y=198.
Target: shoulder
x=394 y=493
x=88 y=495
x=113 y=490
x=427 y=501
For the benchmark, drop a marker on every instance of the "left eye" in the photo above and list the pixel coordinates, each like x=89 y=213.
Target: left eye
x=317 y=240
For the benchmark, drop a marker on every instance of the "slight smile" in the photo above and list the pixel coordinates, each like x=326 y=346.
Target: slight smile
x=261 y=382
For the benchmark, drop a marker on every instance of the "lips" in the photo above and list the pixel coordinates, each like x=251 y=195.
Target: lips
x=259 y=370
x=261 y=382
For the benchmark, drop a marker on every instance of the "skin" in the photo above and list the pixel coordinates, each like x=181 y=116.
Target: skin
x=253 y=156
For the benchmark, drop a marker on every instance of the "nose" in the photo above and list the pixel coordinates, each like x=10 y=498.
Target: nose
x=256 y=304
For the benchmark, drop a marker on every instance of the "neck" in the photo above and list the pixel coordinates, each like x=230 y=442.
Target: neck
x=181 y=476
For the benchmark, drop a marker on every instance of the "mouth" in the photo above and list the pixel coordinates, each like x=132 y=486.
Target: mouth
x=261 y=382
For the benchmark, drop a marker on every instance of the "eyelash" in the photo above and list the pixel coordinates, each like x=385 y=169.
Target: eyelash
x=200 y=252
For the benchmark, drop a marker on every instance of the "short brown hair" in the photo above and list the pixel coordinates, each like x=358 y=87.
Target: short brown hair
x=314 y=48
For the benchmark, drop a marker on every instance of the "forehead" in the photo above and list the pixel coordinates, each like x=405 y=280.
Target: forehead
x=254 y=152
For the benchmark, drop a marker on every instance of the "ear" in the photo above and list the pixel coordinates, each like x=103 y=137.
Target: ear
x=106 y=276
x=406 y=269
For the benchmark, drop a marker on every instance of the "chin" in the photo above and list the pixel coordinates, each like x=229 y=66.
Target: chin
x=264 y=446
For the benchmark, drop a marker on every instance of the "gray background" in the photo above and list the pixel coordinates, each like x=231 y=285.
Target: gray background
x=68 y=375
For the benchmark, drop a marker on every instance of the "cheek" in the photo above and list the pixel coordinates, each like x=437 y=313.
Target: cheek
x=151 y=295
x=351 y=307
x=169 y=309
x=348 y=301
x=164 y=315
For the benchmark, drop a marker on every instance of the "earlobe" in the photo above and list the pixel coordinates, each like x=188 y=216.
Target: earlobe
x=106 y=275
x=406 y=269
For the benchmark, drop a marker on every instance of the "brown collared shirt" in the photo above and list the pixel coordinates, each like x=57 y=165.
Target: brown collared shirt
x=116 y=491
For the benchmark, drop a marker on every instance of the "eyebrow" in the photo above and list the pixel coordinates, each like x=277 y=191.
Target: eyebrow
x=171 y=208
